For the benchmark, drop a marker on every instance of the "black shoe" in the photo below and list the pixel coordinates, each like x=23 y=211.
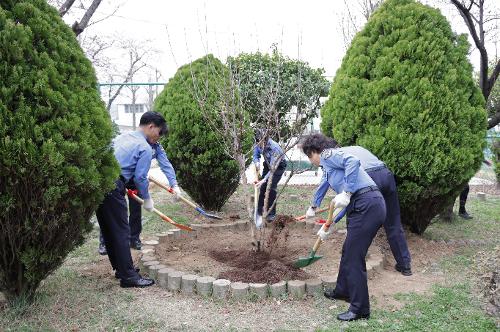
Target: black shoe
x=350 y=316
x=140 y=283
x=102 y=249
x=330 y=294
x=117 y=275
x=137 y=245
x=465 y=215
x=406 y=271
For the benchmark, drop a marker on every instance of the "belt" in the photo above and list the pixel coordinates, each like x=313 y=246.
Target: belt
x=364 y=190
x=376 y=168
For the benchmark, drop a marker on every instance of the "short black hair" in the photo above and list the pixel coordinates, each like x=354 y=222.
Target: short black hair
x=155 y=118
x=317 y=143
x=259 y=134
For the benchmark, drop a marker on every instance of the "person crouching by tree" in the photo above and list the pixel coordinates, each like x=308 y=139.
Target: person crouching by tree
x=133 y=152
x=274 y=159
x=366 y=213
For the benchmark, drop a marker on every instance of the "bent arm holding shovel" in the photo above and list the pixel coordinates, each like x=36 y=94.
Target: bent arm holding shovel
x=323 y=233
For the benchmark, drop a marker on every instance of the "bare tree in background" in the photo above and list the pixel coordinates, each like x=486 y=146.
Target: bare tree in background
x=482 y=21
x=137 y=53
x=355 y=16
x=231 y=123
x=95 y=48
x=152 y=90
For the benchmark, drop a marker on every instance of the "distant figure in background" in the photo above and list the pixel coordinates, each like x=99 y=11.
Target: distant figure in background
x=274 y=158
x=463 y=198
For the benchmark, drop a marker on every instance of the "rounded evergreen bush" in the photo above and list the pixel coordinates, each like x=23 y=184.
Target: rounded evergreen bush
x=56 y=161
x=405 y=91
x=191 y=103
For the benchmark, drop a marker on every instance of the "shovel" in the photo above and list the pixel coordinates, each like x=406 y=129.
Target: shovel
x=256 y=197
x=304 y=216
x=132 y=194
x=185 y=200
x=255 y=241
x=333 y=217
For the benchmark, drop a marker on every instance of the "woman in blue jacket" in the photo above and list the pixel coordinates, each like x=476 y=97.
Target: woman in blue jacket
x=366 y=212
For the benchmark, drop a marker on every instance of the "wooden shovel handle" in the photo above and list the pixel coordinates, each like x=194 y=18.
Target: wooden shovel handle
x=162 y=216
x=304 y=216
x=327 y=224
x=317 y=244
x=170 y=190
x=256 y=192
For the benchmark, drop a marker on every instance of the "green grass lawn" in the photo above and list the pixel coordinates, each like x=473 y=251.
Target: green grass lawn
x=483 y=226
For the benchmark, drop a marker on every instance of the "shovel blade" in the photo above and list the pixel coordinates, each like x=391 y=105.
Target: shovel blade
x=306 y=261
x=212 y=216
x=207 y=215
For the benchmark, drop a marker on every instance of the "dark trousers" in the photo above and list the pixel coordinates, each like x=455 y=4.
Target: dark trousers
x=112 y=218
x=365 y=215
x=135 y=216
x=384 y=179
x=273 y=191
x=463 y=199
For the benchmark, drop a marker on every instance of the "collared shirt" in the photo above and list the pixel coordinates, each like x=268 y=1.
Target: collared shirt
x=165 y=164
x=134 y=153
x=343 y=172
x=367 y=159
x=272 y=152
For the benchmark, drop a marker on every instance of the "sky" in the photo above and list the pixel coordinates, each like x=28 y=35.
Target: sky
x=182 y=31
x=185 y=30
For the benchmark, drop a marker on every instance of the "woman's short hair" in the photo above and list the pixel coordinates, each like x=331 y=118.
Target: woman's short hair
x=317 y=143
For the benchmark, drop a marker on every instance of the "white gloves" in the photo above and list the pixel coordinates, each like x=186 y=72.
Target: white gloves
x=311 y=212
x=324 y=234
x=258 y=221
x=149 y=205
x=177 y=192
x=342 y=200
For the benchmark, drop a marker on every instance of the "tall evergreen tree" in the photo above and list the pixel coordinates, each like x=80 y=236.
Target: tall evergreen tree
x=56 y=161
x=405 y=91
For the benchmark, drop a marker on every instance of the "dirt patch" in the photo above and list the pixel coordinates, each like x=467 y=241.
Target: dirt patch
x=102 y=269
x=424 y=253
x=280 y=232
x=259 y=267
x=426 y=270
x=229 y=254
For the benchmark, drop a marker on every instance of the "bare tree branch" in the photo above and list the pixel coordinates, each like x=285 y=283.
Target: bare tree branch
x=65 y=7
x=105 y=17
x=494 y=75
x=78 y=27
x=478 y=31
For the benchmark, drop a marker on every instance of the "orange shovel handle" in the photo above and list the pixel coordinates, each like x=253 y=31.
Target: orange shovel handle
x=130 y=193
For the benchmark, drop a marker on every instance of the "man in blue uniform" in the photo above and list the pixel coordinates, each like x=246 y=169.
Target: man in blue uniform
x=133 y=152
x=366 y=212
x=135 y=210
x=274 y=159
x=384 y=179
